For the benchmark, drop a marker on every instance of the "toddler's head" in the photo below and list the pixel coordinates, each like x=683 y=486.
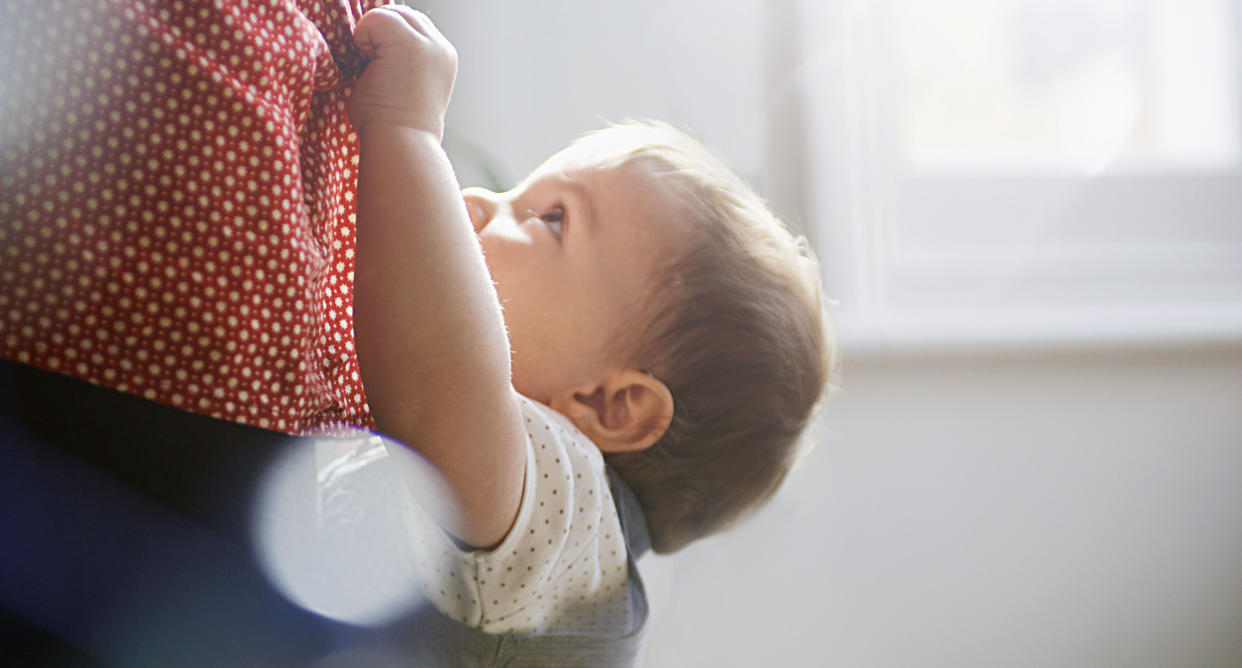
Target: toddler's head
x=652 y=298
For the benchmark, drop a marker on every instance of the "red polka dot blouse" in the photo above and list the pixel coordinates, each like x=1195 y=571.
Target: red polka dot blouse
x=177 y=185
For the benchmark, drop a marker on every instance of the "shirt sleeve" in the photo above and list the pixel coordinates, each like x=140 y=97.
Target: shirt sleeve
x=562 y=568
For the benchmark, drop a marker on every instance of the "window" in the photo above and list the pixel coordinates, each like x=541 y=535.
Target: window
x=1024 y=171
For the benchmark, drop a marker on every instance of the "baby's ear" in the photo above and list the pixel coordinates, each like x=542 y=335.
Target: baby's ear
x=628 y=411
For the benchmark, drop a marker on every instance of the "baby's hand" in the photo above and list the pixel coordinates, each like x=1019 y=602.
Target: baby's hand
x=410 y=77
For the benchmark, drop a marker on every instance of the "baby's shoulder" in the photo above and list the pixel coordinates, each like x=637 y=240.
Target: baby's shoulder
x=567 y=543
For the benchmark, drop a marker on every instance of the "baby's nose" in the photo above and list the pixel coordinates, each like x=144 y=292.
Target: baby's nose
x=481 y=205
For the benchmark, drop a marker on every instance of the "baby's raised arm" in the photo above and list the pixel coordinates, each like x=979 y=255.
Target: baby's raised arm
x=431 y=340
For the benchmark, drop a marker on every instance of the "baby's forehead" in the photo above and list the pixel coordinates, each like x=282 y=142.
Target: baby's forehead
x=571 y=160
x=586 y=164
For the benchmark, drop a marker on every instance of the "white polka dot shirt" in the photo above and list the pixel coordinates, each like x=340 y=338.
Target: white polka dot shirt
x=561 y=570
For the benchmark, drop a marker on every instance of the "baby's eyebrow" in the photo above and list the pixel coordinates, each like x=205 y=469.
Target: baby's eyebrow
x=583 y=194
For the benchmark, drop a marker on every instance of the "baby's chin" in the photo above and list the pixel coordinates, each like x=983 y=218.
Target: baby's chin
x=527 y=389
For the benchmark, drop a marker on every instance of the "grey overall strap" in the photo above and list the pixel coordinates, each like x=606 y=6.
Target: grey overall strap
x=633 y=522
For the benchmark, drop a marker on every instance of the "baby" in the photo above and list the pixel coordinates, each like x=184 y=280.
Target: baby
x=630 y=302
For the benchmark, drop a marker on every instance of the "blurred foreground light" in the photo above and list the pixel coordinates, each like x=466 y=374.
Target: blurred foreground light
x=333 y=527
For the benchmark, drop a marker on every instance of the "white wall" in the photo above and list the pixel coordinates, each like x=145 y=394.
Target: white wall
x=1069 y=509
x=533 y=75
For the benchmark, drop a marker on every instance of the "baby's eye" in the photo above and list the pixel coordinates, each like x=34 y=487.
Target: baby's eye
x=554 y=218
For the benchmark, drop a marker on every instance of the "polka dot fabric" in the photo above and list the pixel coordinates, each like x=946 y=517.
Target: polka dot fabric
x=176 y=202
x=562 y=569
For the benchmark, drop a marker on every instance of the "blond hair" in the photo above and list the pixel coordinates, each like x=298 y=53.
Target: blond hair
x=736 y=329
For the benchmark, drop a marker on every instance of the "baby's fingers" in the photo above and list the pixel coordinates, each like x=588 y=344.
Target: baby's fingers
x=418 y=21
x=393 y=25
x=381 y=29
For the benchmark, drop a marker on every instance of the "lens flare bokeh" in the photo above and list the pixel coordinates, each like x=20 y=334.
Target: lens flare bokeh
x=334 y=522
